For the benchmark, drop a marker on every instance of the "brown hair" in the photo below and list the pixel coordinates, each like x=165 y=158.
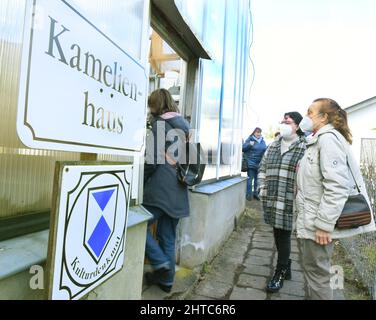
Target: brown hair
x=336 y=116
x=256 y=129
x=161 y=101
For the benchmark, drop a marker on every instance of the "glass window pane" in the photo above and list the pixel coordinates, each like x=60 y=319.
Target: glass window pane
x=209 y=114
x=214 y=28
x=243 y=72
x=121 y=22
x=230 y=105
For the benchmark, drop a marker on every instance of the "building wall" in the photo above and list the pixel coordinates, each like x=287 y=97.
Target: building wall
x=26 y=174
x=361 y=123
x=214 y=210
x=223 y=80
x=126 y=284
x=217 y=117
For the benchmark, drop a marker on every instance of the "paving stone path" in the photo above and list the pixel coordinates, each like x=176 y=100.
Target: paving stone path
x=246 y=262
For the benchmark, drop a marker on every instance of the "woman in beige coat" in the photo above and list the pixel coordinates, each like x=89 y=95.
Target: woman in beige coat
x=324 y=183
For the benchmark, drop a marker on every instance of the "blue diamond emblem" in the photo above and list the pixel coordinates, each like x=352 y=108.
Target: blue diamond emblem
x=103 y=197
x=99 y=236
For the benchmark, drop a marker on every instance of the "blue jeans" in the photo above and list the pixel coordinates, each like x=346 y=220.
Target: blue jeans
x=161 y=253
x=252 y=178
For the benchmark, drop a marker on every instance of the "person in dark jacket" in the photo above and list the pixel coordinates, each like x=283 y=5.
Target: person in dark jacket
x=164 y=196
x=253 y=148
x=277 y=176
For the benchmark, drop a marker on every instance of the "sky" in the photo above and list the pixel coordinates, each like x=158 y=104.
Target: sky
x=307 y=49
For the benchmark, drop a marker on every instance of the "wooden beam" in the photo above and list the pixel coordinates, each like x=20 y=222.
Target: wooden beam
x=166 y=57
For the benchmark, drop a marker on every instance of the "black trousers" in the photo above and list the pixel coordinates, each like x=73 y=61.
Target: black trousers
x=282 y=240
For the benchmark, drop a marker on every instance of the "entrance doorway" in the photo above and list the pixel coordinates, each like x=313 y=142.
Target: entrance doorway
x=167 y=71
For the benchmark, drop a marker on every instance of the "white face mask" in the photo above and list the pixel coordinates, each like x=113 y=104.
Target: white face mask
x=306 y=125
x=285 y=130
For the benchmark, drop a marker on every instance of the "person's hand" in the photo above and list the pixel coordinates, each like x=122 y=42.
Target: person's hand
x=251 y=143
x=322 y=237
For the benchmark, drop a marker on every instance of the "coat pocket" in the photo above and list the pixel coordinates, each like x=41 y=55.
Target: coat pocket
x=310 y=214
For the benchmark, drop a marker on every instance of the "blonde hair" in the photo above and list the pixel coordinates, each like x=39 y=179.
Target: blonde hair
x=161 y=101
x=336 y=116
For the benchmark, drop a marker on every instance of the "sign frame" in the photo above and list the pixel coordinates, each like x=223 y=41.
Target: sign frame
x=57 y=267
x=88 y=132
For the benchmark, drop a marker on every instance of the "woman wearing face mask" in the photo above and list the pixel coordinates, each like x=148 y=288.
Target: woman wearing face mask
x=276 y=186
x=324 y=183
x=253 y=148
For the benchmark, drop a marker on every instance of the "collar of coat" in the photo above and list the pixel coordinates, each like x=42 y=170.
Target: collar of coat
x=253 y=138
x=301 y=139
x=328 y=127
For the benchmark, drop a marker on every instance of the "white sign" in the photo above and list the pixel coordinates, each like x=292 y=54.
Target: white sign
x=79 y=90
x=88 y=228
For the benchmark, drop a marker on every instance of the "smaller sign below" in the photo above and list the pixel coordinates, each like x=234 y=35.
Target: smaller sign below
x=88 y=227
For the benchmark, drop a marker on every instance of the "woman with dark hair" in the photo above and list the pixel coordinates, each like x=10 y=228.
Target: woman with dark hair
x=327 y=175
x=253 y=148
x=164 y=196
x=276 y=186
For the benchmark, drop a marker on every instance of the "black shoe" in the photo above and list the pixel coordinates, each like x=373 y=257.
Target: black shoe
x=164 y=288
x=256 y=197
x=276 y=283
x=249 y=197
x=153 y=278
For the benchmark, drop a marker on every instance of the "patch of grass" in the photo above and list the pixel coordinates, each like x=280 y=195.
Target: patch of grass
x=354 y=288
x=206 y=268
x=253 y=212
x=369 y=253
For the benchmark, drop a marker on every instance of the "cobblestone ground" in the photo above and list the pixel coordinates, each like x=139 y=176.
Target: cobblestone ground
x=246 y=262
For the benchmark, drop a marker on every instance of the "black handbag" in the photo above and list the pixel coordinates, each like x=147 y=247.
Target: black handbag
x=244 y=163
x=356 y=211
x=189 y=172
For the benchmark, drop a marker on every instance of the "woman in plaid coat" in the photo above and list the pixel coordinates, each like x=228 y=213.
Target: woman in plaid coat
x=276 y=178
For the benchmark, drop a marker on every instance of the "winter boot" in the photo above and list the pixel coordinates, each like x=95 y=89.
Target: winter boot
x=276 y=283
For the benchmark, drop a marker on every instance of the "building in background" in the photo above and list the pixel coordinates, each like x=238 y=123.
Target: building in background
x=361 y=118
x=199 y=51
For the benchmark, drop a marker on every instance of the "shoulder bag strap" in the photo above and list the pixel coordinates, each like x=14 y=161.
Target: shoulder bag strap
x=351 y=171
x=168 y=158
x=347 y=158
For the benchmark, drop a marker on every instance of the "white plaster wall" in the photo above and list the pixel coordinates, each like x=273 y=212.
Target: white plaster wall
x=361 y=122
x=210 y=223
